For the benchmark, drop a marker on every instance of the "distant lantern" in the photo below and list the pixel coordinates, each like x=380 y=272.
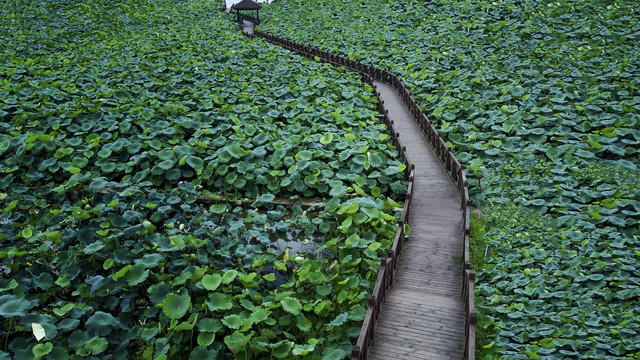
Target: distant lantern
x=248 y=5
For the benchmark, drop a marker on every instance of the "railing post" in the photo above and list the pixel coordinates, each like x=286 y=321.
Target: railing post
x=355 y=353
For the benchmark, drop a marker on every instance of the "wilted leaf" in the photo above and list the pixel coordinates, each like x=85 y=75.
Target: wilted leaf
x=38 y=331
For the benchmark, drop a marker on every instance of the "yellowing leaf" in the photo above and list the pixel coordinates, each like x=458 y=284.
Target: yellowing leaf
x=38 y=331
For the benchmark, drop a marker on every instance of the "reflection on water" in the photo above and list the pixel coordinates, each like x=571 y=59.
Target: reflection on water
x=295 y=240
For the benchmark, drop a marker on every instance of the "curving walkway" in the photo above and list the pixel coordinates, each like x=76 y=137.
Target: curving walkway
x=423 y=316
x=247 y=27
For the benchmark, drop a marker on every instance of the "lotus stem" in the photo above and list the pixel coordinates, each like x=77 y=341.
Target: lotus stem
x=6 y=340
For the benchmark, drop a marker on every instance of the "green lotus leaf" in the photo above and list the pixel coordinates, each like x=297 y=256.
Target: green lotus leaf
x=338 y=191
x=151 y=260
x=187 y=325
x=206 y=338
x=104 y=153
x=108 y=167
x=101 y=323
x=209 y=325
x=219 y=301
x=304 y=155
x=148 y=332
x=27 y=233
x=137 y=274
x=249 y=280
x=4 y=143
x=375 y=160
x=175 y=306
x=96 y=345
x=120 y=273
x=93 y=247
x=236 y=340
x=235 y=151
x=259 y=315
x=233 y=321
x=201 y=352
x=303 y=323
x=195 y=162
x=229 y=276
x=326 y=139
x=231 y=178
x=305 y=349
x=166 y=164
x=266 y=197
x=42 y=349
x=11 y=306
x=211 y=281
x=360 y=159
x=166 y=155
x=371 y=212
x=291 y=305
x=340 y=319
x=68 y=324
x=218 y=208
x=79 y=162
x=333 y=354
x=281 y=349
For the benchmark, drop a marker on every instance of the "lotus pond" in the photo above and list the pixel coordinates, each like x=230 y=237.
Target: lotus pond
x=540 y=100
x=145 y=148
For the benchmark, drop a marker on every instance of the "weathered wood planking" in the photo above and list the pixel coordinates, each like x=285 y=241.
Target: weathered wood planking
x=423 y=315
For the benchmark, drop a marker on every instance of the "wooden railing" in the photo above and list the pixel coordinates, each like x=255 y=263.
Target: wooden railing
x=453 y=167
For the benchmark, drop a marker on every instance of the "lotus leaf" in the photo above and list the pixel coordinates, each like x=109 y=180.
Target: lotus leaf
x=291 y=305
x=101 y=323
x=175 y=306
x=11 y=306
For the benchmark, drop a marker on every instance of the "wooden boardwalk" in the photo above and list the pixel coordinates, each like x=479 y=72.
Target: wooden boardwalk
x=423 y=315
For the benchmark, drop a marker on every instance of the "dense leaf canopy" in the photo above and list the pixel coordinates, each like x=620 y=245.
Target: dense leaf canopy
x=143 y=148
x=541 y=98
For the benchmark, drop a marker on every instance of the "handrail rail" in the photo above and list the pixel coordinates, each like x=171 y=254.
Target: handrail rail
x=453 y=167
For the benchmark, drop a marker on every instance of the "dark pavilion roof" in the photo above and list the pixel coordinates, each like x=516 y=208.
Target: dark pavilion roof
x=247 y=5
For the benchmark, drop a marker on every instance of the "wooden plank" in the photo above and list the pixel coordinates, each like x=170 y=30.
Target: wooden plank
x=438 y=328
x=404 y=352
x=436 y=314
x=432 y=340
x=419 y=304
x=407 y=355
x=432 y=326
x=431 y=335
x=425 y=279
x=421 y=350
